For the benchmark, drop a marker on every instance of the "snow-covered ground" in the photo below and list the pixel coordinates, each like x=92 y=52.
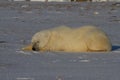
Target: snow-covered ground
x=20 y=20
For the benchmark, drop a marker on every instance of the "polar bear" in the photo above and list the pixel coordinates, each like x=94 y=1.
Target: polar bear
x=63 y=38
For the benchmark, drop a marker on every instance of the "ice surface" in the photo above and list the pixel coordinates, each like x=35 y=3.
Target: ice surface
x=18 y=23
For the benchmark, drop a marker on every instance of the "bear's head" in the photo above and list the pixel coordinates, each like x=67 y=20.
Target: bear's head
x=40 y=40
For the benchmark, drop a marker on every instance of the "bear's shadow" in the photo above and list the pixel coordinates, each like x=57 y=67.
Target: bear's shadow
x=115 y=47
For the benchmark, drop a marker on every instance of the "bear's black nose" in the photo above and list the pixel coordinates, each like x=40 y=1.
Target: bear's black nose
x=35 y=47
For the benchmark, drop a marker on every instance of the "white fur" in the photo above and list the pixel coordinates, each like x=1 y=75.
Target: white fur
x=82 y=39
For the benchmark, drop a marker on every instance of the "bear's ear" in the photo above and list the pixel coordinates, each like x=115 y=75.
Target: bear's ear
x=44 y=40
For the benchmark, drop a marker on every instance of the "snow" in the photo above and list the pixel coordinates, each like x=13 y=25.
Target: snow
x=20 y=20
